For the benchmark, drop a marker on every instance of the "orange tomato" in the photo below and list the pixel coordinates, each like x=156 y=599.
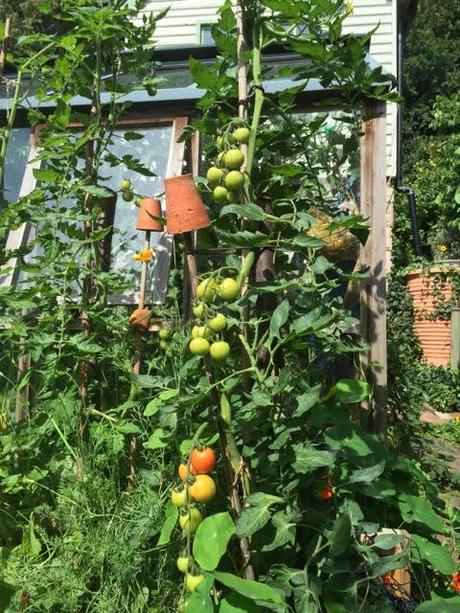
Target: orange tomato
x=203 y=489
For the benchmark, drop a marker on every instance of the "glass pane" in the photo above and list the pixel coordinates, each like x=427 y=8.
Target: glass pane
x=153 y=152
x=16 y=161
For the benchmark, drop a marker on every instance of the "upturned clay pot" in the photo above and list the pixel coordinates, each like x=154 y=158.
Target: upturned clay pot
x=150 y=208
x=185 y=210
x=140 y=318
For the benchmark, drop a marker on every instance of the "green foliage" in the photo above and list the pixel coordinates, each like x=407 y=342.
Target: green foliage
x=302 y=489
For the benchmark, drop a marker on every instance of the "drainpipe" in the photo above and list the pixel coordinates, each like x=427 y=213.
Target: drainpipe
x=411 y=200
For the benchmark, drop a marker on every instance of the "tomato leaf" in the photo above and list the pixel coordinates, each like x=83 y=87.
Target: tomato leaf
x=366 y=475
x=341 y=535
x=308 y=458
x=350 y=391
x=211 y=540
x=236 y=603
x=168 y=525
x=251 y=589
x=416 y=509
x=254 y=517
x=433 y=553
x=279 y=318
x=440 y=605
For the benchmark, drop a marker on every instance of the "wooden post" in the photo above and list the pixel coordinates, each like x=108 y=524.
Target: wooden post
x=4 y=45
x=455 y=337
x=373 y=256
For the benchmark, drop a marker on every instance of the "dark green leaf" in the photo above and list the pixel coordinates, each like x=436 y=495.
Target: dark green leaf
x=433 y=553
x=279 y=318
x=309 y=458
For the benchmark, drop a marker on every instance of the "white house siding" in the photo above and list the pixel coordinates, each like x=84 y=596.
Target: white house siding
x=181 y=26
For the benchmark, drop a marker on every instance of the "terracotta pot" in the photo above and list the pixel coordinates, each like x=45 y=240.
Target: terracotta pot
x=149 y=207
x=185 y=211
x=434 y=333
x=140 y=318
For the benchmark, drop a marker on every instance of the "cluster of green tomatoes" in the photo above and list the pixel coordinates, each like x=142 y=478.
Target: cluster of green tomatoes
x=211 y=322
x=226 y=178
x=165 y=335
x=197 y=488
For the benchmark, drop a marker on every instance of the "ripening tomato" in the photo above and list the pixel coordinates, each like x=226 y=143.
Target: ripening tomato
x=203 y=460
x=203 y=489
x=190 y=520
x=183 y=471
x=179 y=497
x=193 y=581
x=229 y=289
x=183 y=564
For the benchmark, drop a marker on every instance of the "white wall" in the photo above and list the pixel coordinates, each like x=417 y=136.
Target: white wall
x=181 y=27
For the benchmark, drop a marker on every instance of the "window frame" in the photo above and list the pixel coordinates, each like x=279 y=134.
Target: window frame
x=20 y=237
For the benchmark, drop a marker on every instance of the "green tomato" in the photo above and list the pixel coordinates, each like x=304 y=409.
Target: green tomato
x=233 y=197
x=199 y=346
x=242 y=135
x=220 y=194
x=215 y=175
x=125 y=185
x=165 y=332
x=233 y=159
x=219 y=350
x=190 y=520
x=201 y=332
x=198 y=310
x=220 y=159
x=164 y=344
x=182 y=564
x=234 y=180
x=207 y=289
x=229 y=289
x=217 y=323
x=179 y=498
x=193 y=581
x=127 y=196
x=152 y=89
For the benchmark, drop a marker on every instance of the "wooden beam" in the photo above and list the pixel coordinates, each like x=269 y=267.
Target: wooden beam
x=373 y=256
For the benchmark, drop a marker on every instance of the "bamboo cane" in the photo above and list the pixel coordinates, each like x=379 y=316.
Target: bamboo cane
x=138 y=354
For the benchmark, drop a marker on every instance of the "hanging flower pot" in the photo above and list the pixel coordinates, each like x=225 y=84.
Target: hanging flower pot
x=433 y=297
x=185 y=210
x=150 y=208
x=140 y=318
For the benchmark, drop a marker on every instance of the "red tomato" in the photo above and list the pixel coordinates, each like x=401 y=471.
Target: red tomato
x=203 y=460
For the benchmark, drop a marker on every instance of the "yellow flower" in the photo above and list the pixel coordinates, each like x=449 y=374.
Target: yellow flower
x=349 y=7
x=442 y=248
x=144 y=256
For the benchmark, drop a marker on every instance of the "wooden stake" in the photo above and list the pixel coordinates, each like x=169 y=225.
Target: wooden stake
x=138 y=355
x=4 y=45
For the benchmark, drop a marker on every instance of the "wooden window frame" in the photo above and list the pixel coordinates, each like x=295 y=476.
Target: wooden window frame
x=19 y=238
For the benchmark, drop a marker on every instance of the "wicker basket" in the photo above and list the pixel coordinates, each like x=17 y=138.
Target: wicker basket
x=340 y=245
